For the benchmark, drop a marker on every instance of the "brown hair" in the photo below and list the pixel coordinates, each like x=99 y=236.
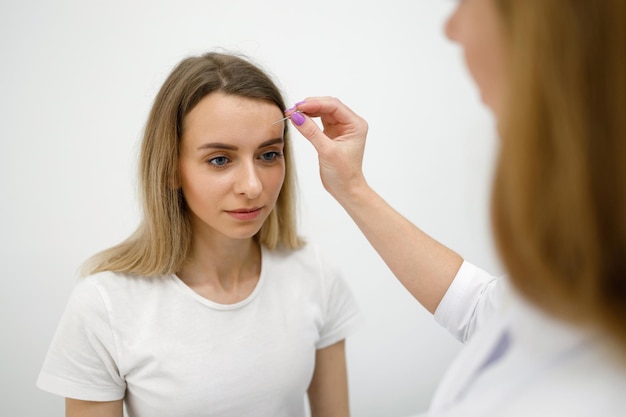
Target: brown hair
x=559 y=197
x=161 y=243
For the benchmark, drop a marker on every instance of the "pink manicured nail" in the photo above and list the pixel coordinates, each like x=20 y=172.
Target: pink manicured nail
x=298 y=118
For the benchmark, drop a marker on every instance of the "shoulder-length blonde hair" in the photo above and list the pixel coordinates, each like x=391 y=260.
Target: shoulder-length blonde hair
x=161 y=243
x=559 y=197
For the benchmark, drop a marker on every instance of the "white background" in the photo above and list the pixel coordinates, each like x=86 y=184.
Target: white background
x=76 y=83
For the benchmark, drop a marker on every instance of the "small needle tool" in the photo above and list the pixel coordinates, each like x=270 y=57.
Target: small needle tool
x=285 y=118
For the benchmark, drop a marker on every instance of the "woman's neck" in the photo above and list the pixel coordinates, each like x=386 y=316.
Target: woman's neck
x=225 y=272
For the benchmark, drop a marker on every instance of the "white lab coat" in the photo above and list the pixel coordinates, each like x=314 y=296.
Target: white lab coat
x=549 y=368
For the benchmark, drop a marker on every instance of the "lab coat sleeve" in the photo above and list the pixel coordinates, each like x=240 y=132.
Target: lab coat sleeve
x=473 y=299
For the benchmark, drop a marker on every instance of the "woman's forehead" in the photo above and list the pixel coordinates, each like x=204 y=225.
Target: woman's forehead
x=232 y=119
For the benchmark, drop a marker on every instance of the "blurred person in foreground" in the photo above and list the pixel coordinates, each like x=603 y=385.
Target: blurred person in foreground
x=549 y=338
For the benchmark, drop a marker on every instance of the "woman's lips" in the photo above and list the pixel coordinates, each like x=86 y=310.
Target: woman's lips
x=245 y=214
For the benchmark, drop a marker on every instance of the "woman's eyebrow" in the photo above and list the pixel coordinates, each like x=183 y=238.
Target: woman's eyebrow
x=226 y=146
x=217 y=145
x=271 y=142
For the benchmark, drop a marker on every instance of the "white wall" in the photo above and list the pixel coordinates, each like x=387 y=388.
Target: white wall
x=76 y=82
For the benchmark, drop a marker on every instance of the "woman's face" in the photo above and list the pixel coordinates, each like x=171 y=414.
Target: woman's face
x=231 y=164
x=476 y=26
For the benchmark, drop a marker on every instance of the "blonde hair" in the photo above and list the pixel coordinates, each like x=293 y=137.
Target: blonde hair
x=559 y=196
x=161 y=243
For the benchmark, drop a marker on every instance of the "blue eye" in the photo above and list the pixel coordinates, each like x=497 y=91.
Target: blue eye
x=270 y=156
x=218 y=161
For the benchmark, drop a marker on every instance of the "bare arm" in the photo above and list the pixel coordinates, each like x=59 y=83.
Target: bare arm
x=80 y=408
x=328 y=392
x=423 y=265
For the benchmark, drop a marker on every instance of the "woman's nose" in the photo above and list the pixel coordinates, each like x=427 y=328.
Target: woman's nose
x=248 y=182
x=450 y=28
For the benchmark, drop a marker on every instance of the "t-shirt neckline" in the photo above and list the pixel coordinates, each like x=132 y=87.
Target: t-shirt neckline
x=225 y=307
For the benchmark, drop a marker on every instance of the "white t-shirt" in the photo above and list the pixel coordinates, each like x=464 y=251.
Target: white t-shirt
x=170 y=352
x=539 y=366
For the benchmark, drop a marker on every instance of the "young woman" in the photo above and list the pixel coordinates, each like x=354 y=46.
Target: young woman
x=549 y=339
x=214 y=306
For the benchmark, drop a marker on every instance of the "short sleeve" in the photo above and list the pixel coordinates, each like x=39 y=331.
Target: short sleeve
x=342 y=315
x=81 y=362
x=474 y=298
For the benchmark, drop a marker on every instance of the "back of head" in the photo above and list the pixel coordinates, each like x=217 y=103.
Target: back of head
x=161 y=243
x=559 y=198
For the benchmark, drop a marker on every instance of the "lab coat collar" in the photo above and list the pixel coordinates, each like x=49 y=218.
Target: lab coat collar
x=541 y=335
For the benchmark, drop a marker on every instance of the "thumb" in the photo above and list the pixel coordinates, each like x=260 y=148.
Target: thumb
x=310 y=130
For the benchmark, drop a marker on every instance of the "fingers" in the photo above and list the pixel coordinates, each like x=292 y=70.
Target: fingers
x=339 y=145
x=330 y=109
x=309 y=130
x=339 y=120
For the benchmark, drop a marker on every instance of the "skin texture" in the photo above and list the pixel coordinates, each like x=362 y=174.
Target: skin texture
x=79 y=408
x=328 y=392
x=230 y=163
x=231 y=172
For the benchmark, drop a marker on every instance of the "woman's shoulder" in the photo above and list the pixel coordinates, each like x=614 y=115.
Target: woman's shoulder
x=311 y=256
x=590 y=381
x=112 y=276
x=310 y=267
x=596 y=367
x=107 y=283
x=581 y=371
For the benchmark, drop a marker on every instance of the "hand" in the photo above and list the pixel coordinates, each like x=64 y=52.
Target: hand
x=339 y=146
x=423 y=265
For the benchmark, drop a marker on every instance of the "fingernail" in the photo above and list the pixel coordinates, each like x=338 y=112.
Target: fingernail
x=295 y=106
x=298 y=118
